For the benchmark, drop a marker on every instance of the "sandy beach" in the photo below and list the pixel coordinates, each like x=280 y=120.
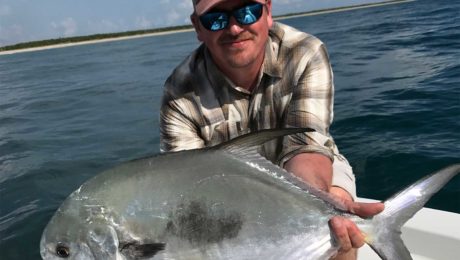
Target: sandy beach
x=342 y=9
x=63 y=45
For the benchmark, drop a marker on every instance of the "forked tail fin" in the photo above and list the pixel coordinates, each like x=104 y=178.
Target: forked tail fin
x=384 y=232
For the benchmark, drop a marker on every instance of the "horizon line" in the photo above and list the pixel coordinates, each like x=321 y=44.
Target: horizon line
x=169 y=30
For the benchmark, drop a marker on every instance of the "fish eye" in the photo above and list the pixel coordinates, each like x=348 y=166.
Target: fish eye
x=62 y=251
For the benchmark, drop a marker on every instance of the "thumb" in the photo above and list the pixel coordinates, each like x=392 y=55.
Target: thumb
x=365 y=210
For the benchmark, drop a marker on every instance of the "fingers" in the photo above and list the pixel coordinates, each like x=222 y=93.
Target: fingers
x=361 y=209
x=365 y=210
x=347 y=234
x=340 y=193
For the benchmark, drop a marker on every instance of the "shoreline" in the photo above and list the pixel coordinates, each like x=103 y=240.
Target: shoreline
x=64 y=45
x=281 y=17
x=342 y=9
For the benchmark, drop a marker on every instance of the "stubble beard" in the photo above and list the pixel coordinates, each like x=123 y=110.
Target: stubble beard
x=240 y=58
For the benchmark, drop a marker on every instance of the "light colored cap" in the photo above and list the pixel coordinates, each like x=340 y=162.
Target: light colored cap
x=202 y=6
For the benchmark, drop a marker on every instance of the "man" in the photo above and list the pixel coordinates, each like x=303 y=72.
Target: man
x=249 y=74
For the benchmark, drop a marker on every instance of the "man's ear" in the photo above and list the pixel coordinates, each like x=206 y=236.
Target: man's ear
x=196 y=24
x=268 y=5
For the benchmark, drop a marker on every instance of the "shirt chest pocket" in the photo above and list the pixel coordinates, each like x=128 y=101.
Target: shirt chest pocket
x=224 y=126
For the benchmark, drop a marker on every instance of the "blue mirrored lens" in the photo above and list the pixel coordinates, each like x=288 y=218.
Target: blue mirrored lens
x=248 y=14
x=215 y=21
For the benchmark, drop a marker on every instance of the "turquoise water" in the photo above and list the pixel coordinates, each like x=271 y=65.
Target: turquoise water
x=66 y=114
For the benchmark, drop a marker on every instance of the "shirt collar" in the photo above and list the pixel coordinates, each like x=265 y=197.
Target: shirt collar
x=271 y=66
x=217 y=79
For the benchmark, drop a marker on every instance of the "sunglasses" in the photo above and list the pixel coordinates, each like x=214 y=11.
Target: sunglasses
x=216 y=21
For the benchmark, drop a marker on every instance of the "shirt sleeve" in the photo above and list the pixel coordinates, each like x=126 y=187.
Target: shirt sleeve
x=177 y=130
x=311 y=106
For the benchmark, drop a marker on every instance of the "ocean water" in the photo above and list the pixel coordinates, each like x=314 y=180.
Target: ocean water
x=67 y=114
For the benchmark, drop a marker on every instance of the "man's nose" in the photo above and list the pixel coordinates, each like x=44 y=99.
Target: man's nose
x=234 y=27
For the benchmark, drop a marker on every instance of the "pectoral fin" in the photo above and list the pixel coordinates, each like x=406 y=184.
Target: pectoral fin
x=136 y=250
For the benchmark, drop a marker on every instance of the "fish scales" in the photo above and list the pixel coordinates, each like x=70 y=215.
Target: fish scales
x=266 y=208
x=225 y=202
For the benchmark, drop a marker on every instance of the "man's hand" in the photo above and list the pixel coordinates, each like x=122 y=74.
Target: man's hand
x=346 y=232
x=316 y=169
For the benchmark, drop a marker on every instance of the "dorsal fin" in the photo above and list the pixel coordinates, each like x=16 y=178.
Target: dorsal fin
x=245 y=147
x=253 y=140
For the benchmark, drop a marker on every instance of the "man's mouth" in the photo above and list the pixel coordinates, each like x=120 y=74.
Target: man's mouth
x=235 y=43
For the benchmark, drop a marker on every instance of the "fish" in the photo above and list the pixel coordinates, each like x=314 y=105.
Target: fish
x=220 y=202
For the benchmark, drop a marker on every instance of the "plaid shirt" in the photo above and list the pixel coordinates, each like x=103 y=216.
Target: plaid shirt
x=201 y=107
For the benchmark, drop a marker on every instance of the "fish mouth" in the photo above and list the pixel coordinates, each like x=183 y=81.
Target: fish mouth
x=44 y=247
x=43 y=251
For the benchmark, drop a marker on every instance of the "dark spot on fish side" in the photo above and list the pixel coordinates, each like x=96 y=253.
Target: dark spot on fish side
x=200 y=224
x=62 y=251
x=136 y=250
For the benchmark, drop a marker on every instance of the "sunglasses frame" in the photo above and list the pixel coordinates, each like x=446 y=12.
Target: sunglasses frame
x=222 y=18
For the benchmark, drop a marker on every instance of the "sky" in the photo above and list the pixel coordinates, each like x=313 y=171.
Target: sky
x=31 y=20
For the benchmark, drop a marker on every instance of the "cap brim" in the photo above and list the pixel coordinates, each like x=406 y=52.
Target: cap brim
x=204 y=6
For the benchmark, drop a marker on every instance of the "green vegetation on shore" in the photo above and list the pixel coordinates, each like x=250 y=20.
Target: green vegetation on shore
x=93 y=37
x=42 y=43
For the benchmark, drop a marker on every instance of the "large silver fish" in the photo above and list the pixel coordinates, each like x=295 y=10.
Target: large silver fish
x=224 y=202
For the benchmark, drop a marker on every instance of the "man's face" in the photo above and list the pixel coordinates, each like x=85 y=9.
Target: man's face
x=237 y=46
